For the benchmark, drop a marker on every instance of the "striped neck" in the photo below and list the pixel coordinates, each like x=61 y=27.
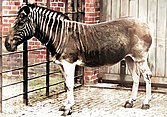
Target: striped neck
x=50 y=28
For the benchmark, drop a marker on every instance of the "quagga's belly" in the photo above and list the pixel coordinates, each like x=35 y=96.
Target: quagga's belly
x=96 y=58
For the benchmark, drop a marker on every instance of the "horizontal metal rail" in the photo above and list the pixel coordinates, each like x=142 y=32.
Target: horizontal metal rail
x=29 y=50
x=45 y=87
x=11 y=15
x=17 y=52
x=13 y=97
x=20 y=68
x=74 y=13
x=15 y=83
x=36 y=64
x=10 y=53
x=36 y=77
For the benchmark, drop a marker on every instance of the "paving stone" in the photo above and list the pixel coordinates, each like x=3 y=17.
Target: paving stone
x=95 y=102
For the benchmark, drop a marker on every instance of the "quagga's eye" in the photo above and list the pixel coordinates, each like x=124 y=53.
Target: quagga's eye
x=21 y=23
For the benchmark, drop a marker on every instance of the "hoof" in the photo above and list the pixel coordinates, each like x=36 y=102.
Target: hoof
x=145 y=106
x=62 y=108
x=67 y=112
x=128 y=104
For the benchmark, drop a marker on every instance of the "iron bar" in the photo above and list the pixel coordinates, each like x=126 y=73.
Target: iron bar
x=36 y=64
x=82 y=19
x=11 y=15
x=26 y=1
x=45 y=87
x=10 y=53
x=12 y=70
x=13 y=97
x=83 y=10
x=75 y=10
x=25 y=70
x=36 y=49
x=74 y=13
x=32 y=78
x=15 y=83
x=25 y=73
x=66 y=5
x=47 y=63
x=17 y=52
x=47 y=72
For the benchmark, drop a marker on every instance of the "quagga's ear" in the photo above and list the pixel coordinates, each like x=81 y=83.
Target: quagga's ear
x=25 y=10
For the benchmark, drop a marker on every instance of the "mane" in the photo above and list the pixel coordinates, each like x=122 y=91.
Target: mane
x=58 y=12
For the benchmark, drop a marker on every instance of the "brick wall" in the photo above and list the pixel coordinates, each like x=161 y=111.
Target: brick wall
x=10 y=7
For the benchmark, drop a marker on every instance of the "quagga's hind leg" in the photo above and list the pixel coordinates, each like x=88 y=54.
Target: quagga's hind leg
x=133 y=68
x=69 y=70
x=146 y=73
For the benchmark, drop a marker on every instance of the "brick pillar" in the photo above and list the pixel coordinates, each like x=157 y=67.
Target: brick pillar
x=92 y=11
x=92 y=16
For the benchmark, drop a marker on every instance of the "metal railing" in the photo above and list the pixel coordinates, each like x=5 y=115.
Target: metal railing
x=26 y=78
x=24 y=68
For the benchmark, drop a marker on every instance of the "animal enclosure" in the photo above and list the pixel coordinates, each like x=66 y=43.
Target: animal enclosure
x=152 y=12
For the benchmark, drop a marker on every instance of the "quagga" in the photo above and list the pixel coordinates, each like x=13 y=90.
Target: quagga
x=72 y=43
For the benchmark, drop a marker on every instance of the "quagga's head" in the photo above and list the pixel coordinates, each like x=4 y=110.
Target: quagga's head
x=22 y=29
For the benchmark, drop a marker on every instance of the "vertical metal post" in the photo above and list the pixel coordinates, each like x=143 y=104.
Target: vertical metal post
x=75 y=10
x=83 y=10
x=25 y=73
x=122 y=71
x=82 y=20
x=75 y=17
x=26 y=1
x=66 y=6
x=25 y=70
x=47 y=72
x=1 y=56
x=48 y=3
x=47 y=63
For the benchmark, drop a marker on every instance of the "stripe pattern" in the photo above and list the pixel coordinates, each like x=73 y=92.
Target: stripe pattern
x=55 y=28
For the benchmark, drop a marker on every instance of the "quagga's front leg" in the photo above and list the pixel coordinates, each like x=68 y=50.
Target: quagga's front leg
x=69 y=70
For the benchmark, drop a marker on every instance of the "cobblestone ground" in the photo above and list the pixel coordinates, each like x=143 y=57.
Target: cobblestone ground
x=94 y=102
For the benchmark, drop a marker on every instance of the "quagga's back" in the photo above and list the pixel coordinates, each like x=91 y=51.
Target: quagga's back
x=72 y=43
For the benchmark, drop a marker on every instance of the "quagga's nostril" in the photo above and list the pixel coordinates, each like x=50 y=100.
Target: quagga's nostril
x=9 y=46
